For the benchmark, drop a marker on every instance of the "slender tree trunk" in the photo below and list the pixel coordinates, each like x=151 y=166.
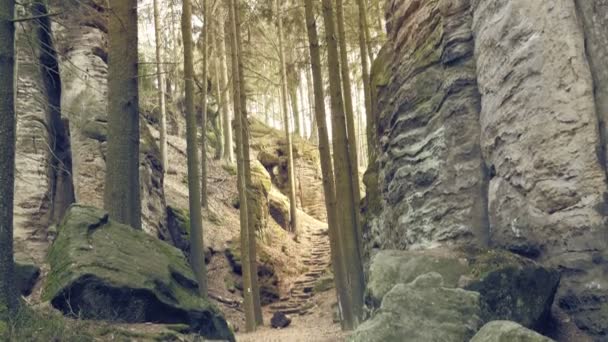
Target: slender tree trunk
x=197 y=253
x=293 y=96
x=284 y=94
x=223 y=81
x=347 y=208
x=348 y=103
x=121 y=197
x=160 y=78
x=204 y=107
x=329 y=187
x=250 y=290
x=253 y=269
x=8 y=297
x=365 y=71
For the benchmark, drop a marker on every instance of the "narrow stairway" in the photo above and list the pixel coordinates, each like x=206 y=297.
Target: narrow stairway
x=299 y=301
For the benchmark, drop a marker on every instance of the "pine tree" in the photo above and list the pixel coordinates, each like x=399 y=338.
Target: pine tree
x=204 y=107
x=347 y=208
x=284 y=94
x=223 y=83
x=160 y=78
x=348 y=101
x=121 y=197
x=329 y=187
x=197 y=255
x=363 y=52
x=8 y=297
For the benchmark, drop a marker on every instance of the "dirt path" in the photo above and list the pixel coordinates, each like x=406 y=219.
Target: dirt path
x=309 y=305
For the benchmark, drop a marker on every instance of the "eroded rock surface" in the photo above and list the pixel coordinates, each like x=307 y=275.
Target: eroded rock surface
x=80 y=34
x=490 y=130
x=510 y=287
x=423 y=311
x=505 y=331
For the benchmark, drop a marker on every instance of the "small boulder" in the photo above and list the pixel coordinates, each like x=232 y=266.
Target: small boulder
x=103 y=270
x=506 y=331
x=423 y=310
x=280 y=320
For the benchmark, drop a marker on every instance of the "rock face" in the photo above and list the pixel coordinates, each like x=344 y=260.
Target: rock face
x=510 y=287
x=108 y=271
x=490 y=130
x=270 y=147
x=81 y=40
x=505 y=331
x=423 y=311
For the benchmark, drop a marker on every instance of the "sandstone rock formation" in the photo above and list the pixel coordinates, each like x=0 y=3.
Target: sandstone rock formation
x=490 y=130
x=81 y=40
x=108 y=271
x=510 y=287
x=423 y=311
x=499 y=331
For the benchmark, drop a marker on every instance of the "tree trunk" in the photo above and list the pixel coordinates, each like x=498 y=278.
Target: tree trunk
x=253 y=269
x=347 y=208
x=8 y=297
x=204 y=107
x=365 y=73
x=284 y=94
x=223 y=81
x=160 y=78
x=121 y=197
x=197 y=254
x=293 y=96
x=329 y=187
x=348 y=103
x=249 y=292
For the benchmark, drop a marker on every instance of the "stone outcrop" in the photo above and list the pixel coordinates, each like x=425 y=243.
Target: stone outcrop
x=269 y=145
x=43 y=186
x=104 y=270
x=81 y=40
x=423 y=311
x=510 y=287
x=490 y=130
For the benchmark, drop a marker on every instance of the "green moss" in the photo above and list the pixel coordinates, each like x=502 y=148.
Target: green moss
x=230 y=168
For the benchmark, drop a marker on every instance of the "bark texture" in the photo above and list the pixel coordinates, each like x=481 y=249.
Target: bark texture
x=288 y=137
x=160 y=78
x=347 y=208
x=329 y=186
x=122 y=198
x=197 y=255
x=8 y=296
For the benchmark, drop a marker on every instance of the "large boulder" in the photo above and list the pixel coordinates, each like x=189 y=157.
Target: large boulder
x=511 y=287
x=104 y=270
x=423 y=311
x=505 y=331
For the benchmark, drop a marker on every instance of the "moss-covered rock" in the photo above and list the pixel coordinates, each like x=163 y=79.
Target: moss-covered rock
x=278 y=205
x=108 y=271
x=511 y=287
x=267 y=277
x=422 y=311
x=505 y=331
x=178 y=224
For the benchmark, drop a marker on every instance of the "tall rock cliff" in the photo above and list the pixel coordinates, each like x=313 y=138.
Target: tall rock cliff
x=490 y=130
